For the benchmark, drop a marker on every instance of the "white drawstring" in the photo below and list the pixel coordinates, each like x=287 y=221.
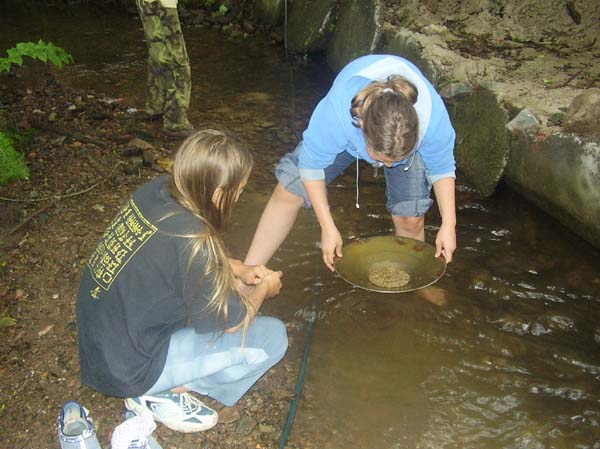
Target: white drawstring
x=412 y=159
x=356 y=204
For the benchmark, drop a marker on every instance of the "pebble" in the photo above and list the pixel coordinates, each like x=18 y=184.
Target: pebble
x=525 y=122
x=139 y=143
x=246 y=425
x=228 y=415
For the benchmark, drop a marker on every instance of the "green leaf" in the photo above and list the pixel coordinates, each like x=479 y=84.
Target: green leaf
x=7 y=321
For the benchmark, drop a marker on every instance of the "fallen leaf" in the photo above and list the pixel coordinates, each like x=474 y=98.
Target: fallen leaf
x=7 y=321
x=228 y=415
x=166 y=163
x=20 y=294
x=45 y=330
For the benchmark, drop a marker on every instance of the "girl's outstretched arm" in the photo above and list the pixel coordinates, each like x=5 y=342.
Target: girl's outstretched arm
x=275 y=224
x=445 y=241
x=331 y=239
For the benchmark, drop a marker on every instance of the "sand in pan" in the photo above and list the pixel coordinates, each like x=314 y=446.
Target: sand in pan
x=388 y=275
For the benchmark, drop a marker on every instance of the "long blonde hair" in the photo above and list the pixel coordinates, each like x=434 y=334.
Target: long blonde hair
x=385 y=112
x=206 y=162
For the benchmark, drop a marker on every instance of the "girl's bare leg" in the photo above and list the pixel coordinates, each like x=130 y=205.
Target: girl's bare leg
x=414 y=227
x=274 y=225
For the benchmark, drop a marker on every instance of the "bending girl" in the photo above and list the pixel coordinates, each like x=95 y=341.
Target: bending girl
x=383 y=110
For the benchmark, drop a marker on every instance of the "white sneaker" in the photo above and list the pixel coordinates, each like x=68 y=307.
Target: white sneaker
x=181 y=412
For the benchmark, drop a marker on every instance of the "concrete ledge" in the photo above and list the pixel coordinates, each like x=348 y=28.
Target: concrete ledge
x=357 y=32
x=561 y=175
x=310 y=25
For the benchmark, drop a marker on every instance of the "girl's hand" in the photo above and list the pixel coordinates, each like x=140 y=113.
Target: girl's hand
x=273 y=283
x=252 y=274
x=445 y=242
x=331 y=245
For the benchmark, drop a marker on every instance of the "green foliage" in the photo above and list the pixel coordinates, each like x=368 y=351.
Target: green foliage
x=45 y=52
x=223 y=9
x=12 y=163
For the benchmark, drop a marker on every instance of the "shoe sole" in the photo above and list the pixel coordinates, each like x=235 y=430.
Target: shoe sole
x=178 y=426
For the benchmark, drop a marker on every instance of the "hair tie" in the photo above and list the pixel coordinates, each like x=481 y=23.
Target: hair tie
x=388 y=90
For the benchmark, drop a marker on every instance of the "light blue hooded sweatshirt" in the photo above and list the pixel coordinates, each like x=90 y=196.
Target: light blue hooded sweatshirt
x=330 y=130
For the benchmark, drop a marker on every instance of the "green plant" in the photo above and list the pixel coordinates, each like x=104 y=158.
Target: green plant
x=43 y=51
x=223 y=9
x=12 y=163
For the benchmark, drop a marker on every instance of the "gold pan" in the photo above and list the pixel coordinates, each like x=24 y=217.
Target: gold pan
x=414 y=257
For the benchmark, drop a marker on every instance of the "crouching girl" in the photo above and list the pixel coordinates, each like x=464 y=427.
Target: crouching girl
x=162 y=310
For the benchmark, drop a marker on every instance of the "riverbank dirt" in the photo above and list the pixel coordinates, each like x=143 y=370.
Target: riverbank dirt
x=534 y=54
x=89 y=153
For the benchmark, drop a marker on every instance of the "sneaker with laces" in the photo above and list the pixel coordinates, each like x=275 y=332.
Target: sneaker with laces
x=178 y=411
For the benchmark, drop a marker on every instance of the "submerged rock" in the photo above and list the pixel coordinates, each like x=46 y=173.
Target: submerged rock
x=482 y=144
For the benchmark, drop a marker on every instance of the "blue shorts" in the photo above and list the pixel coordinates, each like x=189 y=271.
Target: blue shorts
x=408 y=188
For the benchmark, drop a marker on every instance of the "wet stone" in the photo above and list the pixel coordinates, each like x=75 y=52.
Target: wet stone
x=455 y=89
x=264 y=428
x=538 y=329
x=556 y=119
x=150 y=156
x=583 y=116
x=597 y=335
x=525 y=121
x=246 y=425
x=131 y=151
x=228 y=415
x=139 y=143
x=42 y=218
x=134 y=166
x=562 y=323
x=247 y=26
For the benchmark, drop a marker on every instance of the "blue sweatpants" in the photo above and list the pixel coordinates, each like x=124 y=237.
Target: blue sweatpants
x=222 y=366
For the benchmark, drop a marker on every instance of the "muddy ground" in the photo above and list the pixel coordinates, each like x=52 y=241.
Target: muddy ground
x=85 y=162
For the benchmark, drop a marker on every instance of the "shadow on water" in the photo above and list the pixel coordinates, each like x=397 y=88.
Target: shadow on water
x=513 y=358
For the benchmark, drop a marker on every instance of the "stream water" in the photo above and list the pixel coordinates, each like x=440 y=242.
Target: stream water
x=511 y=360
